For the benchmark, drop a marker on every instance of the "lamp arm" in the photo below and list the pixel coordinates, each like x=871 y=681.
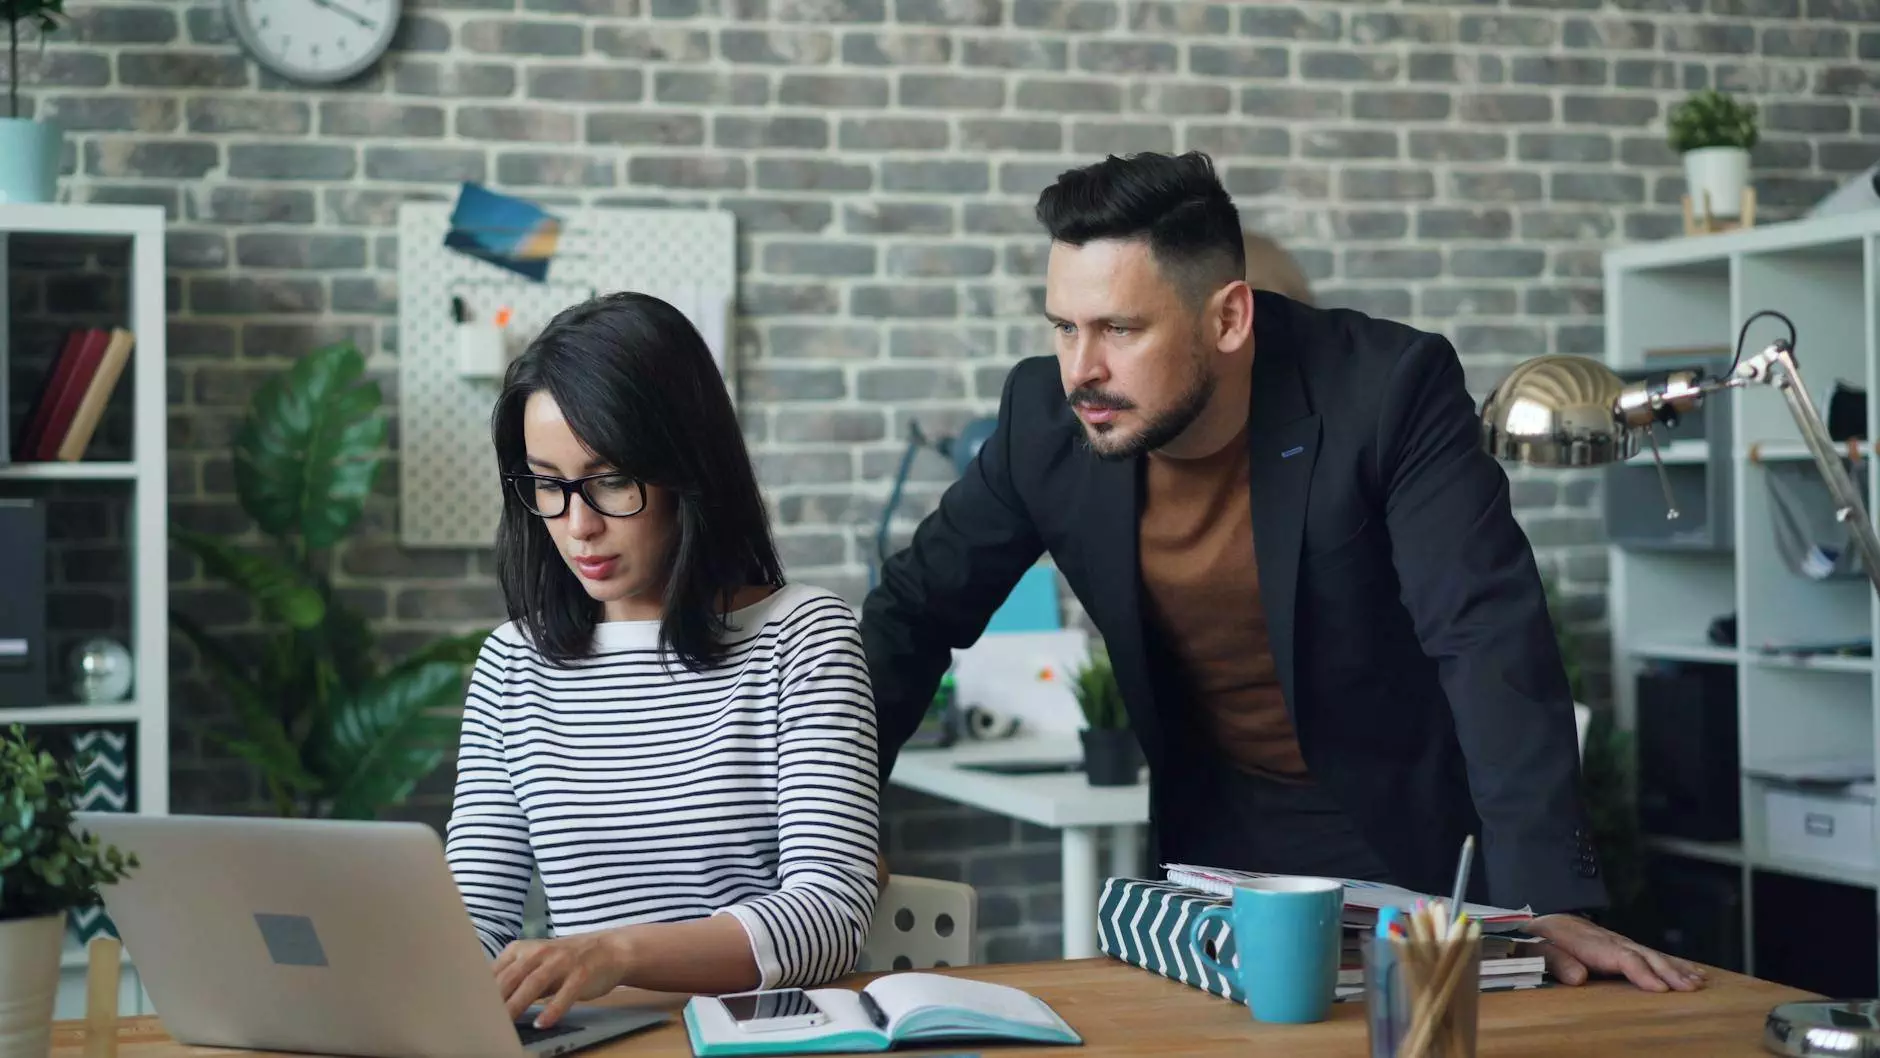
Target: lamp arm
x=915 y=442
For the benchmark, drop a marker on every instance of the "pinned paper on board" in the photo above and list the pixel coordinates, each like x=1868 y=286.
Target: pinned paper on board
x=508 y=232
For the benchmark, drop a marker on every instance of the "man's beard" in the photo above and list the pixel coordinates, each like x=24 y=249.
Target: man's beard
x=1155 y=433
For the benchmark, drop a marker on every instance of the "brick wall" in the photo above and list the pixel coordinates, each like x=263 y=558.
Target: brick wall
x=1458 y=165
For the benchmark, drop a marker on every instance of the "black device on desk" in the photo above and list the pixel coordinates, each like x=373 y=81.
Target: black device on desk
x=1023 y=767
x=23 y=665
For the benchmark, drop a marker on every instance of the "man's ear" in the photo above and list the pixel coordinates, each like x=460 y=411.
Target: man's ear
x=1231 y=313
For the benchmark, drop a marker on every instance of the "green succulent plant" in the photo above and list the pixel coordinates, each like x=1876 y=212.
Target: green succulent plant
x=1098 y=694
x=46 y=866
x=1711 y=119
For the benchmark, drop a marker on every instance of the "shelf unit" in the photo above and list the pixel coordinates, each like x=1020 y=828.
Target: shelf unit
x=142 y=480
x=1694 y=294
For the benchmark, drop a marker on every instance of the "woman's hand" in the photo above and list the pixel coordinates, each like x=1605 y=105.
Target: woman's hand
x=566 y=969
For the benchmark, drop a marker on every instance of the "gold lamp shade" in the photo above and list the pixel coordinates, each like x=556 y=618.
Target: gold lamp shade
x=1558 y=411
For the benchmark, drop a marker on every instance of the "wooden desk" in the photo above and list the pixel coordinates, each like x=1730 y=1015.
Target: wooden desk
x=1121 y=1011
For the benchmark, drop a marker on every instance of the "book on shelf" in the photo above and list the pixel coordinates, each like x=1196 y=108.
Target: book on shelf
x=898 y=1010
x=72 y=401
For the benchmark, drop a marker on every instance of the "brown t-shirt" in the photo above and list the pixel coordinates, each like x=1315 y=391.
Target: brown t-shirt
x=1203 y=587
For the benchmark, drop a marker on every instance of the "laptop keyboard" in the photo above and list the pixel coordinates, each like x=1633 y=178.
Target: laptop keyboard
x=531 y=1035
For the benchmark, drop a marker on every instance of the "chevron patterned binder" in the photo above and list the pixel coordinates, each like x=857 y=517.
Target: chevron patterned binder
x=1145 y=923
x=104 y=755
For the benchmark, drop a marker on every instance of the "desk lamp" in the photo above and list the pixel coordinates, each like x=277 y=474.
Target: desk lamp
x=960 y=449
x=1570 y=412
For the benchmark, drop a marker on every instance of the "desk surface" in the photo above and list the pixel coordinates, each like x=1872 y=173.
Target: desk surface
x=1063 y=799
x=1121 y=1010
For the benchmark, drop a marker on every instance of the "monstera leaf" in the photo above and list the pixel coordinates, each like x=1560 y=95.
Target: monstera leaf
x=381 y=743
x=306 y=456
x=280 y=590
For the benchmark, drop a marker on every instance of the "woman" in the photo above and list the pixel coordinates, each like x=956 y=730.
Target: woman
x=680 y=743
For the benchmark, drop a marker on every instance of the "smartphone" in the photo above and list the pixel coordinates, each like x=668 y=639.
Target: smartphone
x=776 y=1010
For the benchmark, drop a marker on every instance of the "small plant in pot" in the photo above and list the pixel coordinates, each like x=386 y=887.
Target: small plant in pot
x=29 y=150
x=1714 y=132
x=1111 y=755
x=46 y=869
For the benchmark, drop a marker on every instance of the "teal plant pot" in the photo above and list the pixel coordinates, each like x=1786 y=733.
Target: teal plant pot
x=29 y=160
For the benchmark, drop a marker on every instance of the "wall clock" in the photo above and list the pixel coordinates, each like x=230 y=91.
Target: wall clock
x=315 y=41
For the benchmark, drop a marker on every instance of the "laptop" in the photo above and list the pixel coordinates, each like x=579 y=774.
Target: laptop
x=321 y=937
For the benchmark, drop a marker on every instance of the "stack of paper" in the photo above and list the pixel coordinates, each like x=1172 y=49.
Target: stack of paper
x=1363 y=900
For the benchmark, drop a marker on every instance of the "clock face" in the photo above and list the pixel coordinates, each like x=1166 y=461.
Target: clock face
x=315 y=40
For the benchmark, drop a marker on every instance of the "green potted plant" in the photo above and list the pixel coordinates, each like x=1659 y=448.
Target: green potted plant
x=47 y=868
x=1714 y=132
x=334 y=729
x=29 y=149
x=1111 y=755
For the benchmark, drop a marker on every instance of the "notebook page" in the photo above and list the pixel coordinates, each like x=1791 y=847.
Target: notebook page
x=902 y=994
x=846 y=1018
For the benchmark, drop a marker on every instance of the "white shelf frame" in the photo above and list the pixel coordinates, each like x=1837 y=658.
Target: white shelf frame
x=146 y=476
x=1643 y=591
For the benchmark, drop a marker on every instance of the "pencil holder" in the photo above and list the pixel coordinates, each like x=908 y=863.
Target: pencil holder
x=1421 y=991
x=482 y=350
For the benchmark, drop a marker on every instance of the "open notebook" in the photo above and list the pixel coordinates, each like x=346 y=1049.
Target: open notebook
x=897 y=1010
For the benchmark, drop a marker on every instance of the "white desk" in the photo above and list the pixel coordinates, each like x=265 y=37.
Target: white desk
x=1064 y=801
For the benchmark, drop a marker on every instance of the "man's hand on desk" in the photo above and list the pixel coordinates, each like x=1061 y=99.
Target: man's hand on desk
x=567 y=970
x=1574 y=946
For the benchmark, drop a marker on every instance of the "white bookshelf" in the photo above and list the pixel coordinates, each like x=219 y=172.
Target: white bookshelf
x=144 y=479
x=1693 y=292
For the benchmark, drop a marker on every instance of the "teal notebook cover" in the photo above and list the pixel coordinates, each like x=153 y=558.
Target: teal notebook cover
x=904 y=1009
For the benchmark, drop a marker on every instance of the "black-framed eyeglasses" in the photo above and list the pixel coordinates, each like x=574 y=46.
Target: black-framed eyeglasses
x=611 y=494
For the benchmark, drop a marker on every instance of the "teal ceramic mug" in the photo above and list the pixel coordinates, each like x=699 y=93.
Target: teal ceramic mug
x=1286 y=942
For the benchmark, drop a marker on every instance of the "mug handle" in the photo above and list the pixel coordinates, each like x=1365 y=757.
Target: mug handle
x=1221 y=911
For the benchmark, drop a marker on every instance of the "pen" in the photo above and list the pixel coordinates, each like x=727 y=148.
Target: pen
x=457 y=310
x=1462 y=875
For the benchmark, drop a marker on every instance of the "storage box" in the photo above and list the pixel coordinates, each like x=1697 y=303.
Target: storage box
x=1820 y=826
x=1145 y=923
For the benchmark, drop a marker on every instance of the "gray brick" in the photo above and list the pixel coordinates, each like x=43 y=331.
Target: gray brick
x=1370 y=224
x=758 y=215
x=165 y=70
x=1390 y=263
x=1784 y=191
x=90 y=113
x=951 y=92
x=1121 y=137
x=370 y=295
x=776 y=469
x=893 y=134
x=1848 y=81
x=699 y=171
x=1649 y=151
x=1077 y=16
x=1815 y=42
x=1348 y=143
x=1445 y=224
x=1710 y=38
x=1304 y=104
x=1500 y=340
x=819 y=259
x=1239 y=61
x=1564 y=147
x=1578 y=263
x=662 y=127
x=1644 y=73
x=262 y=249
x=519 y=37
x=927 y=343
x=910 y=218
x=833 y=90
x=1449 y=301
x=1390 y=27
x=904 y=48
x=426 y=165
x=371 y=208
x=529 y=124
x=1508 y=107
x=1870 y=121
x=1610 y=34
x=923 y=261
x=817 y=341
x=1180 y=99
x=957 y=177
x=777 y=47
x=248 y=295
x=455 y=603
x=594 y=8
x=1564 y=301
x=195 y=249
x=652 y=43
x=1179 y=18
x=903 y=301
x=208 y=25
x=1069 y=96
x=418 y=33
x=1850 y=157
x=371 y=117
x=1756 y=8
x=743 y=131
x=125 y=195
x=1016 y=54
x=1597 y=187
x=285 y=117
x=1128 y=57
x=1834 y=116
x=1350 y=66
x=1385 y=302
x=1497 y=263
x=768 y=383
x=1372 y=185
x=1558 y=70
x=236 y=204
x=1786 y=78
x=551 y=169
x=1400 y=106
x=1845 y=10
x=812 y=174
x=1614 y=111
x=789 y=299
x=711 y=88
x=909 y=383
x=843 y=12
x=1495 y=187
x=844 y=426
x=461 y=80
x=1301 y=182
x=1240 y=140
x=1290 y=23
x=1870 y=45
x=590 y=84
x=174 y=159
x=94 y=24
x=1520 y=31
x=1444 y=145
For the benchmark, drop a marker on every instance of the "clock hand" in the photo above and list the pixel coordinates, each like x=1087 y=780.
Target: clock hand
x=348 y=12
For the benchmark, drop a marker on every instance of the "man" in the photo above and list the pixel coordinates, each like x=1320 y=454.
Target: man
x=1326 y=623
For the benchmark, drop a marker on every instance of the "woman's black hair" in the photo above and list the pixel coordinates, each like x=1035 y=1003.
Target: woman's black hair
x=637 y=385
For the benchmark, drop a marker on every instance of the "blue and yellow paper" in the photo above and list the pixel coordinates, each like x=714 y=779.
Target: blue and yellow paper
x=509 y=232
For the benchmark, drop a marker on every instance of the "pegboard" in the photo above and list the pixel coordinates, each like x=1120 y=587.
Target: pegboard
x=449 y=493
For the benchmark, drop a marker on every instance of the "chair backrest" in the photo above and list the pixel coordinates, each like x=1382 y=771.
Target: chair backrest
x=921 y=923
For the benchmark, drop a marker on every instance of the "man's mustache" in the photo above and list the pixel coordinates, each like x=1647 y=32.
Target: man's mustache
x=1095 y=398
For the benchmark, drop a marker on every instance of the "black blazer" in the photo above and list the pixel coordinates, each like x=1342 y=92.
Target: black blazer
x=1407 y=618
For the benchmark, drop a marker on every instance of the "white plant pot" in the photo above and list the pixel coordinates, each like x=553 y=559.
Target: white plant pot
x=29 y=160
x=1720 y=172
x=29 y=983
